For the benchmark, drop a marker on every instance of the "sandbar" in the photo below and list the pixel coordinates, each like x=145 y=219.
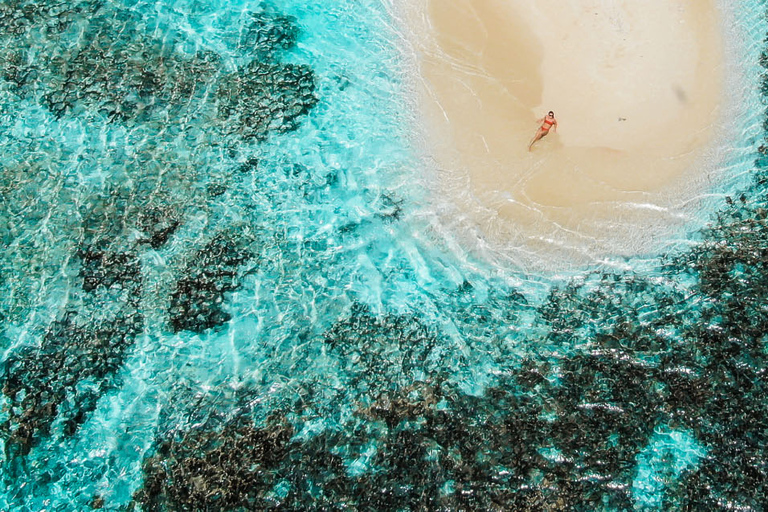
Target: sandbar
x=637 y=88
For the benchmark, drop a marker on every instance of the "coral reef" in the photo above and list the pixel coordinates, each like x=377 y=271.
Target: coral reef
x=106 y=268
x=86 y=221
x=264 y=97
x=63 y=378
x=362 y=341
x=216 y=470
x=268 y=33
x=124 y=75
x=19 y=16
x=128 y=76
x=623 y=359
x=563 y=434
x=197 y=300
x=157 y=223
x=723 y=397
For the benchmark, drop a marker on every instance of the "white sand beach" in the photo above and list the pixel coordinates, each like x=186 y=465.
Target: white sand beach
x=637 y=89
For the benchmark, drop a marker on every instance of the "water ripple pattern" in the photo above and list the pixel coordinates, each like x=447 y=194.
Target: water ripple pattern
x=222 y=289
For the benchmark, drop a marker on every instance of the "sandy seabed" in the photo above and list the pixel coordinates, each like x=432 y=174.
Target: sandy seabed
x=637 y=88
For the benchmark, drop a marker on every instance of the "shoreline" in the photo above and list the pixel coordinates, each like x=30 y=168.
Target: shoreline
x=611 y=181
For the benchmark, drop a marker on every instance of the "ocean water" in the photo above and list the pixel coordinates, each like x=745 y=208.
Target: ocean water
x=225 y=287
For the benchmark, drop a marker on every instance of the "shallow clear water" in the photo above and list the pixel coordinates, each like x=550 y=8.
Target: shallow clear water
x=225 y=287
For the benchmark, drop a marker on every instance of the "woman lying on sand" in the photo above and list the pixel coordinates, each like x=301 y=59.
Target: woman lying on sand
x=547 y=122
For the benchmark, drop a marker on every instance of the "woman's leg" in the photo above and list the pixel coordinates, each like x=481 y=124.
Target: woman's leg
x=539 y=135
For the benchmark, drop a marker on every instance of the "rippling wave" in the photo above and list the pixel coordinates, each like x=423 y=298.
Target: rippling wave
x=222 y=290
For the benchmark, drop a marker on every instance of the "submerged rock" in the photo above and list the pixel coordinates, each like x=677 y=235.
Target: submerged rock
x=564 y=433
x=43 y=383
x=158 y=224
x=15 y=72
x=19 y=16
x=228 y=469
x=216 y=189
x=250 y=165
x=125 y=75
x=268 y=33
x=264 y=97
x=198 y=299
x=129 y=76
x=106 y=268
x=361 y=341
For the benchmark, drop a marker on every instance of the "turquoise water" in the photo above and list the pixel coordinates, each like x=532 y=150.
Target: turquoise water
x=224 y=289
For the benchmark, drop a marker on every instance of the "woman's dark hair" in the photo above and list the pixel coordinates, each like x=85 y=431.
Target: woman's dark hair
x=551 y=113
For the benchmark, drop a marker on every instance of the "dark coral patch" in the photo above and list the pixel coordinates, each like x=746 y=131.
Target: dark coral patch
x=157 y=224
x=435 y=449
x=725 y=393
x=19 y=16
x=563 y=433
x=106 y=268
x=16 y=73
x=126 y=75
x=228 y=469
x=42 y=383
x=362 y=341
x=264 y=97
x=269 y=33
x=197 y=301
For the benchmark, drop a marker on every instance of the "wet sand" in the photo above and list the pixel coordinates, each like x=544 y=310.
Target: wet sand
x=636 y=87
